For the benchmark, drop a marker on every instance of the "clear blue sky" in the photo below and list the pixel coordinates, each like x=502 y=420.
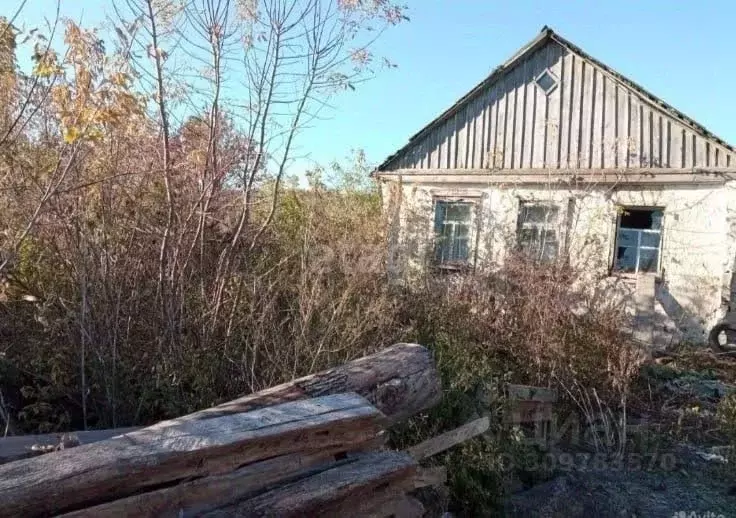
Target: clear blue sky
x=684 y=52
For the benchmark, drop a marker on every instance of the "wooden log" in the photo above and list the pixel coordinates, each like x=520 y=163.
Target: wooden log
x=403 y=506
x=449 y=439
x=189 y=499
x=400 y=381
x=172 y=451
x=350 y=487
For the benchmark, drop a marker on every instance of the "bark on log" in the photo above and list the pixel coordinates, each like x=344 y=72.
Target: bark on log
x=332 y=492
x=173 y=451
x=400 y=381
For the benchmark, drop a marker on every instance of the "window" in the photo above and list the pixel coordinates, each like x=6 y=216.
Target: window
x=638 y=240
x=537 y=234
x=452 y=220
x=546 y=81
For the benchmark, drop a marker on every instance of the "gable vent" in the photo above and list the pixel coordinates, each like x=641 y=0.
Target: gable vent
x=546 y=81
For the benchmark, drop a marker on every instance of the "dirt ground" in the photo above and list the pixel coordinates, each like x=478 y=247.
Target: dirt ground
x=686 y=468
x=698 y=489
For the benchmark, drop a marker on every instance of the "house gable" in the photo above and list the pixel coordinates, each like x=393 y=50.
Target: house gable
x=592 y=118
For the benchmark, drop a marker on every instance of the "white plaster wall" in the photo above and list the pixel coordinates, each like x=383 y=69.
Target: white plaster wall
x=697 y=251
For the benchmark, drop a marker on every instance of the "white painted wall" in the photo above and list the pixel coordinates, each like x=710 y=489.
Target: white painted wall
x=698 y=240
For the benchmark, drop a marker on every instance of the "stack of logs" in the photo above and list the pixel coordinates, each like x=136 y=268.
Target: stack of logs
x=314 y=446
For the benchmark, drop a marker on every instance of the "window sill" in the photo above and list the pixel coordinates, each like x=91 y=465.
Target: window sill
x=634 y=276
x=458 y=267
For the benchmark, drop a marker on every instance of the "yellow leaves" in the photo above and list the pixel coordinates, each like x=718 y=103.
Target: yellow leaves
x=120 y=79
x=70 y=134
x=96 y=96
x=46 y=63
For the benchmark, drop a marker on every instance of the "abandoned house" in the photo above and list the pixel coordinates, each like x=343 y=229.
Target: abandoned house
x=559 y=156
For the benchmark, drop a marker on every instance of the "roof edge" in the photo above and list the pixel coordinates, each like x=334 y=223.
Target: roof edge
x=546 y=34
x=653 y=99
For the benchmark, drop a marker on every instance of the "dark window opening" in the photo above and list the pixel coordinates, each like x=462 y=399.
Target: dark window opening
x=641 y=219
x=638 y=240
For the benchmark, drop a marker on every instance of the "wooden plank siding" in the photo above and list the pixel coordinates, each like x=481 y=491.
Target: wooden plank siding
x=592 y=119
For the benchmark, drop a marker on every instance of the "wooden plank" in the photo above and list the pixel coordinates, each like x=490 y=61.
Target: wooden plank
x=347 y=486
x=609 y=145
x=576 y=104
x=539 y=129
x=529 y=412
x=621 y=130
x=566 y=82
x=523 y=78
x=430 y=476
x=205 y=494
x=530 y=393
x=554 y=100
x=174 y=450
x=402 y=506
x=388 y=499
x=499 y=149
x=449 y=439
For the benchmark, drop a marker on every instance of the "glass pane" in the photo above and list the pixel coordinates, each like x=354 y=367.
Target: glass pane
x=549 y=236
x=648 y=260
x=538 y=244
x=458 y=212
x=444 y=231
x=626 y=259
x=650 y=239
x=439 y=215
x=461 y=230
x=459 y=250
x=628 y=237
x=538 y=213
x=528 y=237
x=657 y=217
x=546 y=81
x=549 y=251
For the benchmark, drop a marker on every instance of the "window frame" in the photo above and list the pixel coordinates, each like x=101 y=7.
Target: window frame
x=553 y=77
x=458 y=264
x=620 y=209
x=545 y=227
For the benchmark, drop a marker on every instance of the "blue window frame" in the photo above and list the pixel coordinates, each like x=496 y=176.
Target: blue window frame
x=537 y=230
x=452 y=224
x=638 y=240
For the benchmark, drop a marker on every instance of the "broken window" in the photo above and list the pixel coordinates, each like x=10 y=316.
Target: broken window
x=638 y=240
x=452 y=223
x=537 y=230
